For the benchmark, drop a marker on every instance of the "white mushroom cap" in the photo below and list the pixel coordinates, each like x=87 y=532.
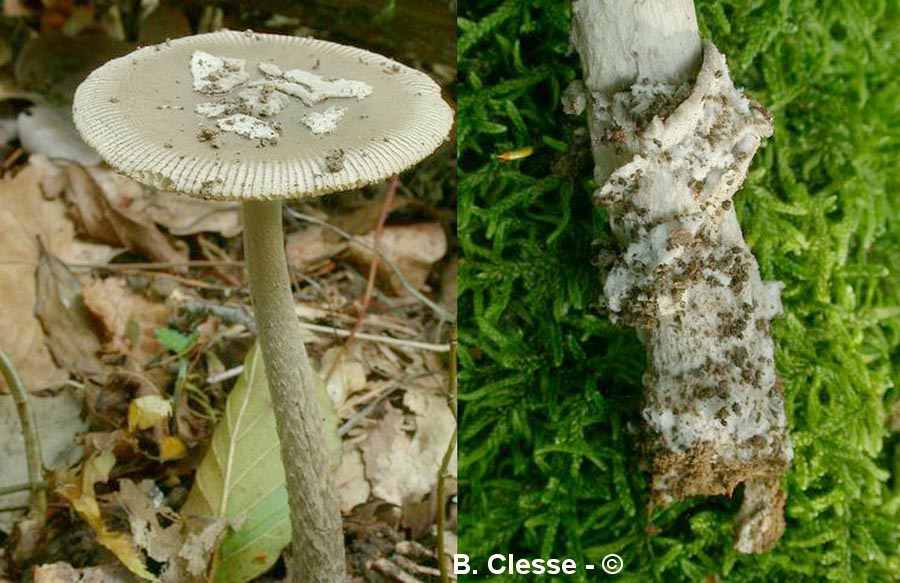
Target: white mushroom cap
x=138 y=112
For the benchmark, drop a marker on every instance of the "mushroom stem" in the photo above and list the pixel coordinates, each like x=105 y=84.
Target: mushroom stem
x=672 y=141
x=623 y=42
x=317 y=533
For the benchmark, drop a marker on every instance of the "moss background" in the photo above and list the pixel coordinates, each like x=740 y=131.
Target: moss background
x=550 y=387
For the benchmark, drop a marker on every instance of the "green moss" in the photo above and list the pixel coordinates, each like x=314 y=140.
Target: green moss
x=550 y=387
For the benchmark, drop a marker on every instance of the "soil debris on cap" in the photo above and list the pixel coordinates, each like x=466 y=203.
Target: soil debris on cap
x=294 y=90
x=262 y=100
x=334 y=160
x=208 y=134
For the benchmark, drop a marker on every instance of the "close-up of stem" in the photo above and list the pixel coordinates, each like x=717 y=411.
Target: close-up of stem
x=666 y=212
x=671 y=149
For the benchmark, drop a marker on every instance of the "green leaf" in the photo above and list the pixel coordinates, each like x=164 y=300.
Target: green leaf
x=175 y=341
x=242 y=475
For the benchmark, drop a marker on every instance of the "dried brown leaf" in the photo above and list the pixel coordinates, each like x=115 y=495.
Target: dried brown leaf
x=351 y=479
x=88 y=205
x=414 y=248
x=103 y=203
x=199 y=547
x=358 y=213
x=183 y=215
x=311 y=246
x=23 y=338
x=148 y=411
x=347 y=374
x=418 y=516
x=162 y=544
x=129 y=319
x=68 y=326
x=402 y=467
x=24 y=215
x=54 y=64
x=65 y=573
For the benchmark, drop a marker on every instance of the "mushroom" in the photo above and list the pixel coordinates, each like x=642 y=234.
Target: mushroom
x=148 y=114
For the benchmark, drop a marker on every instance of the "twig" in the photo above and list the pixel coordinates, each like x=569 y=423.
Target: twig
x=225 y=375
x=158 y=264
x=12 y=158
x=213 y=252
x=411 y=566
x=445 y=462
x=393 y=571
x=374 y=338
x=19 y=487
x=60 y=385
x=150 y=269
x=33 y=457
x=242 y=315
x=413 y=549
x=441 y=312
x=185 y=280
x=451 y=373
x=365 y=411
x=376 y=239
x=236 y=371
x=385 y=393
x=239 y=314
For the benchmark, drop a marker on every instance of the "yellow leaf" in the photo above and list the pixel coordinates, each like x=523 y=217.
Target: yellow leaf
x=96 y=469
x=145 y=412
x=171 y=448
x=122 y=545
x=81 y=497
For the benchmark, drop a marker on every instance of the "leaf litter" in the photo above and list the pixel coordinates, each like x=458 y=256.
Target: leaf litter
x=126 y=324
x=128 y=307
x=26 y=215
